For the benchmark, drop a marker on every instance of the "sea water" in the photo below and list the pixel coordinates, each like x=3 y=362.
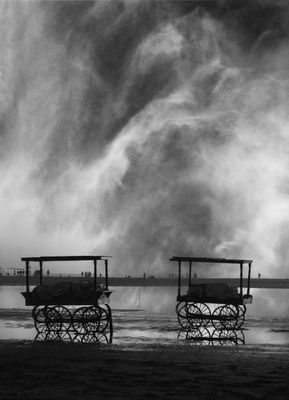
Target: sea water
x=146 y=316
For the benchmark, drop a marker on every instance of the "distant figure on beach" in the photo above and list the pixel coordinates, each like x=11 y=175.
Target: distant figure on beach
x=259 y=275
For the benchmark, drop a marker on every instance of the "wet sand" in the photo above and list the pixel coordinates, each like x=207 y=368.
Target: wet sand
x=38 y=370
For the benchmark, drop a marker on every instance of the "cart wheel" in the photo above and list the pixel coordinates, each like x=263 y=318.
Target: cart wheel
x=78 y=320
x=194 y=316
x=40 y=319
x=228 y=316
x=199 y=336
x=182 y=315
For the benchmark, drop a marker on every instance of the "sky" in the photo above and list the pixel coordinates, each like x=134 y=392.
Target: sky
x=145 y=130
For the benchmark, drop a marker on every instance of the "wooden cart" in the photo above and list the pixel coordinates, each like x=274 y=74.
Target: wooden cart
x=56 y=307
x=213 y=311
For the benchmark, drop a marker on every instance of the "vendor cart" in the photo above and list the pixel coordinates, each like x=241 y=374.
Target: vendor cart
x=70 y=309
x=213 y=310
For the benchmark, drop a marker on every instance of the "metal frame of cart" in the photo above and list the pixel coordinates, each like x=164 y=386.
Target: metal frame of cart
x=223 y=319
x=53 y=320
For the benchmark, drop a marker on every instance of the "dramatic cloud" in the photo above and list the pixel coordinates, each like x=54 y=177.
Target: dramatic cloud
x=145 y=129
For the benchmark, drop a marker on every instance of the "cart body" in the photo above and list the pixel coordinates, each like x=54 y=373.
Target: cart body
x=210 y=311
x=55 y=319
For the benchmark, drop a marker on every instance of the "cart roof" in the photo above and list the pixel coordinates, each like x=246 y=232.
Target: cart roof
x=65 y=258
x=212 y=260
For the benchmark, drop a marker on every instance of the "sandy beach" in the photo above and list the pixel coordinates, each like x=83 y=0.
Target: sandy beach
x=53 y=370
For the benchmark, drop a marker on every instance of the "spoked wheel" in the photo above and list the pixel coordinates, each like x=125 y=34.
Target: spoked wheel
x=228 y=316
x=181 y=310
x=194 y=316
x=78 y=320
x=40 y=319
x=199 y=336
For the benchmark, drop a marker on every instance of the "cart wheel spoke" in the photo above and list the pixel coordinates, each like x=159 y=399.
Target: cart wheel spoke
x=95 y=338
x=35 y=310
x=199 y=336
x=54 y=319
x=104 y=319
x=216 y=318
x=228 y=337
x=40 y=319
x=240 y=337
x=194 y=316
x=41 y=336
x=78 y=320
x=91 y=319
x=182 y=334
x=228 y=316
x=241 y=316
x=182 y=315
x=205 y=316
x=65 y=316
